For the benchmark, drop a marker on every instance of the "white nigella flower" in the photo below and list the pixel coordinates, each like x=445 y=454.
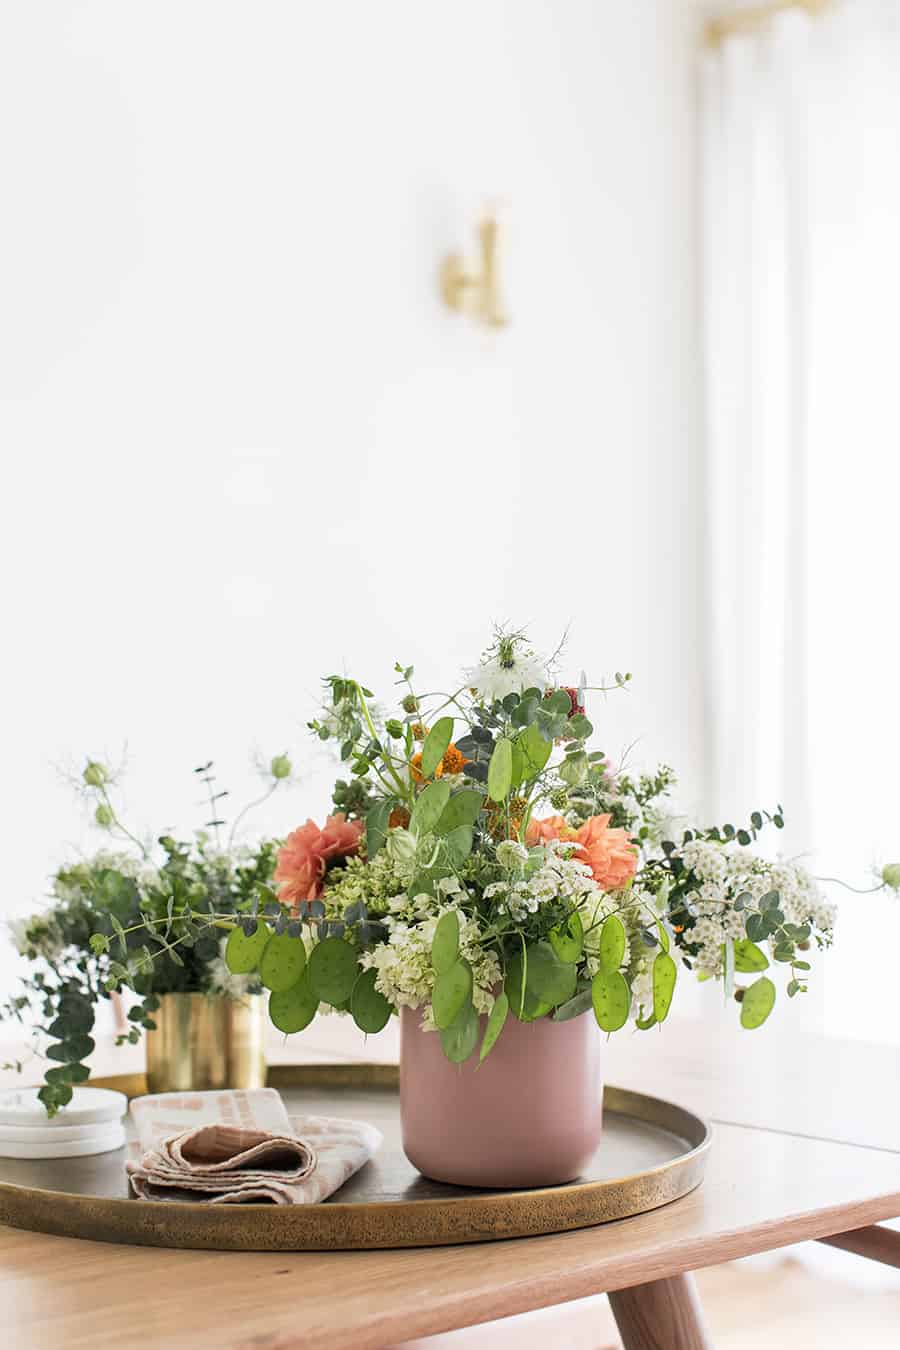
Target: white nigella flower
x=508 y=667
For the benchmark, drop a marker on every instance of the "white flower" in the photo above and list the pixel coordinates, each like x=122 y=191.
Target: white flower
x=510 y=853
x=508 y=667
x=405 y=974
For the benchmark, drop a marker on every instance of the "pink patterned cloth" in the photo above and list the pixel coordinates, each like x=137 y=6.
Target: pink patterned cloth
x=237 y=1147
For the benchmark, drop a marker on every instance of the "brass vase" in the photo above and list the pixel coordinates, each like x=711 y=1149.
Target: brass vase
x=204 y=1042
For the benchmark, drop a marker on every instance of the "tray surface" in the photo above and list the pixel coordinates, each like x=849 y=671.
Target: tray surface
x=651 y=1153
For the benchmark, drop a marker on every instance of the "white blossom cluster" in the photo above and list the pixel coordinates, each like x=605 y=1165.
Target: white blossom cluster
x=724 y=874
x=404 y=971
x=559 y=878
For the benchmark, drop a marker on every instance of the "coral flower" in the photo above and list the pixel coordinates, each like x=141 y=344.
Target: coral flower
x=306 y=853
x=609 y=853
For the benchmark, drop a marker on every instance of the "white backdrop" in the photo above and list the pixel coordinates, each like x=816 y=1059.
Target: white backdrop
x=802 y=286
x=243 y=443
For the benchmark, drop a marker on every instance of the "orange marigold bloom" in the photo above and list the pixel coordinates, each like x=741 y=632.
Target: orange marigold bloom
x=453 y=762
x=418 y=731
x=610 y=853
x=399 y=818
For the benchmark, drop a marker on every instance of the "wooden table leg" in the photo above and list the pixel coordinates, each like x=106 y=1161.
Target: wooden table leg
x=663 y=1315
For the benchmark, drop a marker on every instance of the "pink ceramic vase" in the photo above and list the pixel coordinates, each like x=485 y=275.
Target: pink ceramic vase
x=531 y=1115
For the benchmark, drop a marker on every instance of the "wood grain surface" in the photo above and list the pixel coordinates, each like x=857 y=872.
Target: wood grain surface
x=762 y=1190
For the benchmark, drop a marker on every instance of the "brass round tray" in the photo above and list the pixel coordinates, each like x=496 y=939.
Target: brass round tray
x=652 y=1152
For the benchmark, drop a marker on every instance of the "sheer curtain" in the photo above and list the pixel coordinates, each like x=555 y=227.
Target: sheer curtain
x=802 y=286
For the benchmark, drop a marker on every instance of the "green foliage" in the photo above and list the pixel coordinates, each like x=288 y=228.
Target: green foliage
x=435 y=745
x=757 y=1003
x=243 y=951
x=495 y=1024
x=567 y=938
x=290 y=1010
x=377 y=820
x=611 y=998
x=500 y=768
x=748 y=957
x=549 y=979
x=451 y=993
x=369 y=1008
x=333 y=970
x=664 y=975
x=445 y=947
x=283 y=962
x=463 y=808
x=460 y=1037
x=612 y=943
x=429 y=807
x=522 y=1003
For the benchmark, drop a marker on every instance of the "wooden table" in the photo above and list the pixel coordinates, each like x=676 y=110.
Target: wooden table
x=807 y=1145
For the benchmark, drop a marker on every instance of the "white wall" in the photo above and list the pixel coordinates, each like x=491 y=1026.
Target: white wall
x=242 y=441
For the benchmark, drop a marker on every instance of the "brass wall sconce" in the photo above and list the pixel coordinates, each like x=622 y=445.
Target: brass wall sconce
x=475 y=292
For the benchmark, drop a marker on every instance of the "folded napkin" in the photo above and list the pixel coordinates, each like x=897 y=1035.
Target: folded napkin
x=237 y=1147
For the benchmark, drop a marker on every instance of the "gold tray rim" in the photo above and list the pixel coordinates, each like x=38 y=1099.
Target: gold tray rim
x=470 y=1216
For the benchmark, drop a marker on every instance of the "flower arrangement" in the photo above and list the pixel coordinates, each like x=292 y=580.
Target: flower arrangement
x=482 y=862
x=109 y=924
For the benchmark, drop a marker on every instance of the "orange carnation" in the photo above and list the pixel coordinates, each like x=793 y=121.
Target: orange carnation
x=305 y=854
x=609 y=853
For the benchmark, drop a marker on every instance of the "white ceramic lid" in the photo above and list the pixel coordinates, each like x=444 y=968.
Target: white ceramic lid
x=89 y=1106
x=105 y=1139
x=32 y=1134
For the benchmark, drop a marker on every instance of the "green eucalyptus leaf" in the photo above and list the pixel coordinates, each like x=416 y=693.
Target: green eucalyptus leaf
x=611 y=998
x=368 y=1006
x=435 y=745
x=429 y=807
x=242 y=953
x=495 y=1024
x=459 y=1038
x=500 y=771
x=445 y=947
x=612 y=943
x=664 y=975
x=567 y=939
x=293 y=1009
x=548 y=978
x=283 y=962
x=452 y=991
x=333 y=970
x=748 y=957
x=757 y=1003
x=756 y=927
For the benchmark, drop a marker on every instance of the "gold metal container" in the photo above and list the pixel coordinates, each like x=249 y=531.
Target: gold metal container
x=203 y=1042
